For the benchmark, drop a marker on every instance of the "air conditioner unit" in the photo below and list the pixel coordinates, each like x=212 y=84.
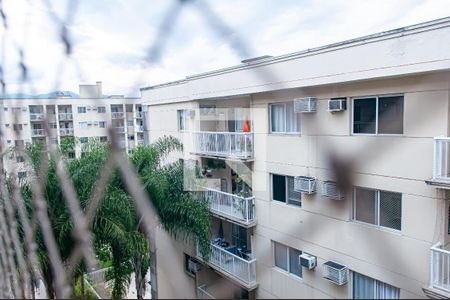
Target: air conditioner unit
x=193 y=266
x=337 y=104
x=305 y=105
x=307 y=261
x=330 y=190
x=305 y=184
x=334 y=272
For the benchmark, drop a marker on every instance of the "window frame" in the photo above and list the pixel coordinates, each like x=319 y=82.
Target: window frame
x=286 y=186
x=182 y=112
x=81 y=108
x=285 y=132
x=101 y=109
x=376 y=285
x=288 y=262
x=377 y=97
x=377 y=210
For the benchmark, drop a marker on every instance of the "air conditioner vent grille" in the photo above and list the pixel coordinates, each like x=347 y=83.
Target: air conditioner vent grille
x=305 y=184
x=335 y=272
x=330 y=190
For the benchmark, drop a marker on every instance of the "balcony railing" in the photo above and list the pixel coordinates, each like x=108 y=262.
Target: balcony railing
x=441 y=169
x=231 y=264
x=140 y=142
x=232 y=206
x=203 y=294
x=65 y=131
x=119 y=129
x=139 y=128
x=117 y=115
x=139 y=114
x=37 y=132
x=65 y=116
x=440 y=268
x=224 y=144
x=37 y=116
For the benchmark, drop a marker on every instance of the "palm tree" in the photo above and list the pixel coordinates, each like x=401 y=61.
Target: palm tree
x=116 y=223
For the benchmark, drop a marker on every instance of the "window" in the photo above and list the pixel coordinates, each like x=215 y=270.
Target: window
x=17 y=127
x=283 y=119
x=21 y=175
x=379 y=208
x=20 y=159
x=82 y=124
x=378 y=115
x=182 y=120
x=129 y=123
x=103 y=139
x=19 y=144
x=102 y=124
x=286 y=258
x=5 y=108
x=189 y=263
x=131 y=137
x=368 y=288
x=238 y=236
x=81 y=109
x=83 y=140
x=52 y=125
x=71 y=154
x=101 y=109
x=7 y=125
x=283 y=190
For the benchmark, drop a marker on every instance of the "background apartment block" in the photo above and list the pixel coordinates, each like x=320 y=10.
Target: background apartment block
x=79 y=119
x=381 y=104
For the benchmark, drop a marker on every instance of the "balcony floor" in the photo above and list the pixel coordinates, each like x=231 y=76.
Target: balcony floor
x=225 y=156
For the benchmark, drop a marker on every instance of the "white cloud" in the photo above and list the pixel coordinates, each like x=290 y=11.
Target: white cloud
x=111 y=37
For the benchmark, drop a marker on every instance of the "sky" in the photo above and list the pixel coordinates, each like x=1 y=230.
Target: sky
x=112 y=40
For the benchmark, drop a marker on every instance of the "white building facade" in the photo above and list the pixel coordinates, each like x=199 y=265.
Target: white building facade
x=77 y=119
x=347 y=150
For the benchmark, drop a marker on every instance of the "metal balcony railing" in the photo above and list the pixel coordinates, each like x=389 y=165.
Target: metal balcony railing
x=441 y=168
x=230 y=205
x=119 y=129
x=203 y=294
x=117 y=115
x=139 y=114
x=37 y=116
x=224 y=144
x=65 y=131
x=37 y=132
x=139 y=128
x=231 y=264
x=65 y=116
x=440 y=268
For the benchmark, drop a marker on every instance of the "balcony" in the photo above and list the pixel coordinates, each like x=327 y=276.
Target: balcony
x=37 y=117
x=65 y=116
x=139 y=128
x=239 y=268
x=238 y=209
x=119 y=129
x=140 y=142
x=139 y=114
x=203 y=294
x=65 y=131
x=439 y=273
x=224 y=144
x=441 y=163
x=37 y=132
x=117 y=115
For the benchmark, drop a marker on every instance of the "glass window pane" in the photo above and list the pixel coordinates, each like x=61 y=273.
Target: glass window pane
x=364 y=113
x=390 y=115
x=391 y=210
x=386 y=291
x=280 y=256
x=294 y=197
x=279 y=188
x=365 y=201
x=294 y=266
x=277 y=118
x=363 y=287
x=292 y=124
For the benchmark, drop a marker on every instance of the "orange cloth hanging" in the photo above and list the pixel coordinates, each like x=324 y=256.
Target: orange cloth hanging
x=246 y=126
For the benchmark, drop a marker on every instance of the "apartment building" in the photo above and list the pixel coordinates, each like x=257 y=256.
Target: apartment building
x=376 y=108
x=69 y=119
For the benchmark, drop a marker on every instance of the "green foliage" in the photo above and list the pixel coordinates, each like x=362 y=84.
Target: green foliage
x=118 y=238
x=77 y=292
